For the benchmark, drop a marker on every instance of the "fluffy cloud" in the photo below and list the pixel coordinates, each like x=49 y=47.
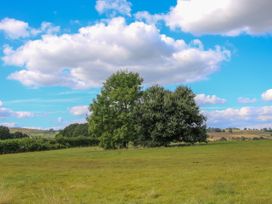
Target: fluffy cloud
x=246 y=100
x=79 y=110
x=242 y=117
x=6 y=112
x=267 y=95
x=113 y=7
x=15 y=29
x=87 y=58
x=225 y=17
x=202 y=99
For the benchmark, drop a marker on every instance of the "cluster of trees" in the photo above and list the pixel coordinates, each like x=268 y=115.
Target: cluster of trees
x=74 y=130
x=124 y=114
x=5 y=134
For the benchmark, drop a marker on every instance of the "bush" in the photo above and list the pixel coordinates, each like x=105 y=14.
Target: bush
x=74 y=130
x=80 y=141
x=28 y=145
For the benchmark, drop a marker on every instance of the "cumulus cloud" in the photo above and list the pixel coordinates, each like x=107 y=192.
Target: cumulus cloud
x=15 y=29
x=202 y=99
x=85 y=59
x=246 y=100
x=267 y=95
x=79 y=110
x=240 y=117
x=225 y=17
x=113 y=7
x=6 y=112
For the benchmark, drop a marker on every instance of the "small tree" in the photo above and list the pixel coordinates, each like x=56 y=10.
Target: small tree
x=111 y=120
x=4 y=132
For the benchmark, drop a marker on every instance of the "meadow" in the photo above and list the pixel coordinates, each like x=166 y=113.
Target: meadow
x=220 y=172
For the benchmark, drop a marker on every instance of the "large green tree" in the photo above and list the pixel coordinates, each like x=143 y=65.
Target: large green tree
x=111 y=120
x=164 y=117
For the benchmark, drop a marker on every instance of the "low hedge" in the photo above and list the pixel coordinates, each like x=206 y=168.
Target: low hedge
x=40 y=144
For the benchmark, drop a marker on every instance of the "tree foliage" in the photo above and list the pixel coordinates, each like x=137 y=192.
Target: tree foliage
x=74 y=130
x=123 y=113
x=112 y=111
x=164 y=117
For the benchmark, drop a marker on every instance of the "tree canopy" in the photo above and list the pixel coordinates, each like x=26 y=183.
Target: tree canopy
x=111 y=120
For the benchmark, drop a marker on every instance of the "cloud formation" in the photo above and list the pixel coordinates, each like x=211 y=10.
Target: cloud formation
x=267 y=95
x=15 y=29
x=246 y=100
x=203 y=99
x=6 y=112
x=113 y=7
x=85 y=59
x=224 y=17
x=79 y=110
x=241 y=117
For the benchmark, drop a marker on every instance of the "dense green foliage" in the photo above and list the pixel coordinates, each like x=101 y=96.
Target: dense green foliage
x=40 y=144
x=28 y=145
x=164 y=117
x=122 y=113
x=74 y=130
x=5 y=134
x=80 y=141
x=111 y=120
x=218 y=173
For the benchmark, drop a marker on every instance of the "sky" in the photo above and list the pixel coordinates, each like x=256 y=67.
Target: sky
x=55 y=56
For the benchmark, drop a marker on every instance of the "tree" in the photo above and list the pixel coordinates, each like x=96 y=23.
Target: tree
x=4 y=132
x=111 y=120
x=185 y=123
x=151 y=118
x=164 y=117
x=74 y=130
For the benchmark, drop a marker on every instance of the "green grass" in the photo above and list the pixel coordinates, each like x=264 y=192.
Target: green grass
x=232 y=172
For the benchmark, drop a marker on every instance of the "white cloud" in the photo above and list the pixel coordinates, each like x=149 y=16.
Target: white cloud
x=241 y=117
x=6 y=112
x=202 y=99
x=148 y=18
x=15 y=29
x=79 y=110
x=23 y=114
x=113 y=7
x=267 y=95
x=225 y=17
x=246 y=100
x=87 y=58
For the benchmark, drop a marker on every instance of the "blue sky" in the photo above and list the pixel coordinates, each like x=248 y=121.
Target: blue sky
x=56 y=54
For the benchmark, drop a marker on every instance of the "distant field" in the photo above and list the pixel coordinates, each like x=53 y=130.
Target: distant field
x=223 y=172
x=35 y=132
x=240 y=135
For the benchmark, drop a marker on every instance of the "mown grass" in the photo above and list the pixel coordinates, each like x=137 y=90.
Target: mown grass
x=228 y=172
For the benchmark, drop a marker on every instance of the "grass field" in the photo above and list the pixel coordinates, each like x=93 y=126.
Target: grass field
x=227 y=172
x=35 y=132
